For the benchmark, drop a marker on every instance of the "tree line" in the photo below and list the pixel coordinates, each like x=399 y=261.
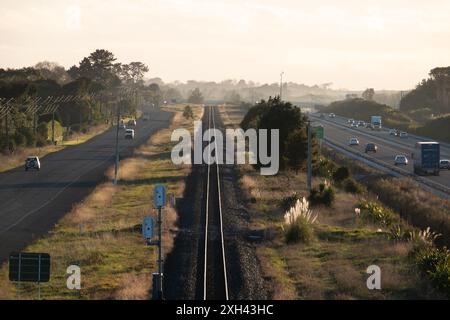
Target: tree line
x=98 y=80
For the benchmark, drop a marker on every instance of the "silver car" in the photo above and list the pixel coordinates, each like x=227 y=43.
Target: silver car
x=353 y=142
x=400 y=160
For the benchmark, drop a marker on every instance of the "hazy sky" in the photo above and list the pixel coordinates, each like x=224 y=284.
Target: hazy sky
x=355 y=44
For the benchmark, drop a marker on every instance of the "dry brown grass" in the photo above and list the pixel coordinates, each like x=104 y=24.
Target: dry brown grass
x=134 y=287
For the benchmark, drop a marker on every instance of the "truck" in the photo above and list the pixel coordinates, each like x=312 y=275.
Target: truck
x=426 y=158
x=375 y=122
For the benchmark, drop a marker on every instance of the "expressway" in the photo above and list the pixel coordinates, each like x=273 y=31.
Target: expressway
x=338 y=133
x=31 y=202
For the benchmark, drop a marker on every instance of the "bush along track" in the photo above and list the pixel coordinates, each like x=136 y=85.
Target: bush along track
x=102 y=234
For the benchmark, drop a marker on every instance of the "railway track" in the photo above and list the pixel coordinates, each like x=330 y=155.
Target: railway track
x=215 y=283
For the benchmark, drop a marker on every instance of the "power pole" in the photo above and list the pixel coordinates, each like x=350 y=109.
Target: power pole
x=116 y=166
x=309 y=179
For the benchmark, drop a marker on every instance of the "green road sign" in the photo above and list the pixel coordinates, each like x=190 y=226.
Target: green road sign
x=29 y=267
x=319 y=132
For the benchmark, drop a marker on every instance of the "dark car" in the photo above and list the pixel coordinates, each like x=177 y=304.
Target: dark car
x=444 y=164
x=32 y=162
x=371 y=147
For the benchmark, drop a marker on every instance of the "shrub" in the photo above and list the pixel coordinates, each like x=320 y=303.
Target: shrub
x=435 y=264
x=323 y=167
x=298 y=222
x=375 y=213
x=341 y=174
x=350 y=185
x=289 y=201
x=324 y=194
x=426 y=237
x=420 y=208
x=187 y=113
x=299 y=231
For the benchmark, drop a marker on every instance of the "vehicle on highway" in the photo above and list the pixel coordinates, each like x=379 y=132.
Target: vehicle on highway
x=376 y=122
x=332 y=115
x=353 y=142
x=129 y=134
x=122 y=126
x=354 y=125
x=393 y=132
x=444 y=164
x=371 y=147
x=361 y=124
x=350 y=121
x=403 y=134
x=132 y=123
x=400 y=160
x=32 y=162
x=426 y=158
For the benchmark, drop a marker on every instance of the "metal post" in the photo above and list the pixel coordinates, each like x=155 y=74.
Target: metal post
x=39 y=279
x=18 y=283
x=116 y=166
x=160 y=271
x=309 y=180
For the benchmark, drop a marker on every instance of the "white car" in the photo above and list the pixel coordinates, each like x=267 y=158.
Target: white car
x=393 y=132
x=353 y=142
x=129 y=134
x=332 y=115
x=403 y=134
x=32 y=162
x=350 y=121
x=400 y=160
x=354 y=125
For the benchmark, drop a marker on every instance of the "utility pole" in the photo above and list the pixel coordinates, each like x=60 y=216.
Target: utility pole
x=309 y=179
x=281 y=84
x=116 y=166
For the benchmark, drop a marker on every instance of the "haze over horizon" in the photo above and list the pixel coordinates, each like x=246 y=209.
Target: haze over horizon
x=384 y=44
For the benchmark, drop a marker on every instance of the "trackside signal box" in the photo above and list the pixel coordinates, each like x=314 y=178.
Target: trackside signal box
x=148 y=228
x=159 y=196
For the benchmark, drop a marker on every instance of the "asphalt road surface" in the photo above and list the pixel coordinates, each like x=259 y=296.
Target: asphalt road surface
x=31 y=202
x=339 y=132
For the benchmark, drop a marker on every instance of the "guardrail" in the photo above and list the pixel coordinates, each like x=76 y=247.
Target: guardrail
x=386 y=129
x=431 y=184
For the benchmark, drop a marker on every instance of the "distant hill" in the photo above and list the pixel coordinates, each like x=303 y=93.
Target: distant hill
x=361 y=109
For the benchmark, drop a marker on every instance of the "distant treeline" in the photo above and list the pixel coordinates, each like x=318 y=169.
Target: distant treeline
x=99 y=82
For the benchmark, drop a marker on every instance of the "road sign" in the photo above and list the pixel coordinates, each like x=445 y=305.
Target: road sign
x=148 y=228
x=159 y=196
x=319 y=132
x=29 y=267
